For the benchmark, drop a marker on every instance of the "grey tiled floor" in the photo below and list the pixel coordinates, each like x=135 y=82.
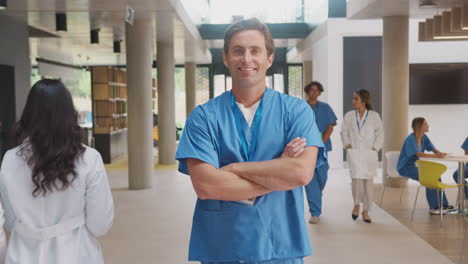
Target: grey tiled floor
x=153 y=226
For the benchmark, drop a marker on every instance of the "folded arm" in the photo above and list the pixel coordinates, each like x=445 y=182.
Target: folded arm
x=279 y=174
x=216 y=184
x=222 y=184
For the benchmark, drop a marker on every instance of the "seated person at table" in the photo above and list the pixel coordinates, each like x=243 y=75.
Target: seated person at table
x=455 y=174
x=413 y=149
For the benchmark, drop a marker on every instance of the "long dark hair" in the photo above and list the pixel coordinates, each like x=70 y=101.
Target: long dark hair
x=49 y=136
x=365 y=97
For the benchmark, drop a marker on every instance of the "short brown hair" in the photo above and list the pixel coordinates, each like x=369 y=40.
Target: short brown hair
x=249 y=24
x=365 y=97
x=417 y=123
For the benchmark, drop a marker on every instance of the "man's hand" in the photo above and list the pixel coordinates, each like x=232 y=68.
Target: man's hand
x=441 y=154
x=294 y=148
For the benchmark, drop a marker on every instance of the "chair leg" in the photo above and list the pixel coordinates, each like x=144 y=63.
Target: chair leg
x=463 y=246
x=401 y=189
x=414 y=206
x=440 y=198
x=381 y=196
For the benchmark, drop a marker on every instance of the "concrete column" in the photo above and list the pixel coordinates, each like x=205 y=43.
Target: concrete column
x=395 y=86
x=166 y=86
x=138 y=41
x=307 y=72
x=190 y=86
x=15 y=52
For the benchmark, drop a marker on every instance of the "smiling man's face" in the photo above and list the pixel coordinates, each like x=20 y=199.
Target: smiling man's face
x=247 y=59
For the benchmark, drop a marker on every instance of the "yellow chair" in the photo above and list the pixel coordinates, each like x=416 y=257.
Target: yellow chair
x=429 y=175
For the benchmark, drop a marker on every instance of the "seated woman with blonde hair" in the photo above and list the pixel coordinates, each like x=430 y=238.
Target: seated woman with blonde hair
x=414 y=148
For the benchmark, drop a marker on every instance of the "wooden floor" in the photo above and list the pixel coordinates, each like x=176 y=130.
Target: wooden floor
x=446 y=239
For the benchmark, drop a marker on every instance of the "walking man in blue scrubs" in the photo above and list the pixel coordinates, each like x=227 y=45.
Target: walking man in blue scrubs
x=248 y=152
x=326 y=120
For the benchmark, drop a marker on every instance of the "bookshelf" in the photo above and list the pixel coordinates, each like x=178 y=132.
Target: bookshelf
x=109 y=94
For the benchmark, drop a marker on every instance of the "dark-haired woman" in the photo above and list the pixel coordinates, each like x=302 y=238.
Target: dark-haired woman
x=414 y=148
x=362 y=136
x=54 y=190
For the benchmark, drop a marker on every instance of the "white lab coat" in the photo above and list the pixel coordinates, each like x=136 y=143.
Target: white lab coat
x=362 y=160
x=60 y=227
x=3 y=245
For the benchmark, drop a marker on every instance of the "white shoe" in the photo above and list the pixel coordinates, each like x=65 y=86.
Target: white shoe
x=314 y=220
x=437 y=211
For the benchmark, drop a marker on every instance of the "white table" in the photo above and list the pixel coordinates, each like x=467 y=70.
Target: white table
x=462 y=160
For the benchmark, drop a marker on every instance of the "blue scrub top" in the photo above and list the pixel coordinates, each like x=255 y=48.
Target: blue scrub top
x=274 y=228
x=324 y=116
x=465 y=145
x=408 y=152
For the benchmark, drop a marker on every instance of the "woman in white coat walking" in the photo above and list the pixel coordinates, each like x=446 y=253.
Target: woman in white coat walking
x=362 y=136
x=54 y=190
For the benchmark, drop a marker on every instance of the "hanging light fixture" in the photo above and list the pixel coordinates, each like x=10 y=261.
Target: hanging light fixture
x=446 y=20
x=448 y=26
x=465 y=17
x=429 y=29
x=455 y=22
x=422 y=31
x=94 y=36
x=3 y=4
x=437 y=26
x=61 y=21
x=117 y=46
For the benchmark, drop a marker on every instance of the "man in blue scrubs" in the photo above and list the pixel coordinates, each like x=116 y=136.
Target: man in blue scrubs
x=250 y=205
x=455 y=174
x=326 y=120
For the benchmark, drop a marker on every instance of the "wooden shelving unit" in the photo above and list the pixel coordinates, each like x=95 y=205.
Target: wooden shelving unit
x=155 y=95
x=109 y=100
x=109 y=93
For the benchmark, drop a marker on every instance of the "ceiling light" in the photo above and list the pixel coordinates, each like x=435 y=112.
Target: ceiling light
x=427 y=4
x=94 y=36
x=117 y=46
x=3 y=4
x=451 y=37
x=61 y=22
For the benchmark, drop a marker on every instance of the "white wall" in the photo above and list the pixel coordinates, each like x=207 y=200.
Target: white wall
x=448 y=123
x=327 y=53
x=14 y=51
